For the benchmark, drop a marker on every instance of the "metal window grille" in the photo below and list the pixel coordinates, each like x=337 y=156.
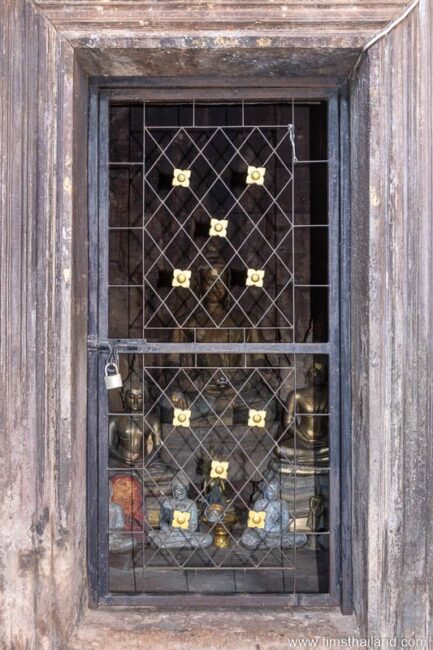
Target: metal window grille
x=225 y=346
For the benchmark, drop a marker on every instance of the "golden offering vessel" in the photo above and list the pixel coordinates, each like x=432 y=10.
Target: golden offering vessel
x=225 y=517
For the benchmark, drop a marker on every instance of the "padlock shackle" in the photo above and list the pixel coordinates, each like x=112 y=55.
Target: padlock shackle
x=111 y=364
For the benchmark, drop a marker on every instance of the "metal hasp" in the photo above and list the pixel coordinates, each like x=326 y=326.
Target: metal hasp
x=214 y=470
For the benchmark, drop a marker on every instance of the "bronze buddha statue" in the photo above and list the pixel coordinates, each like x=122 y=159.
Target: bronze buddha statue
x=134 y=439
x=306 y=444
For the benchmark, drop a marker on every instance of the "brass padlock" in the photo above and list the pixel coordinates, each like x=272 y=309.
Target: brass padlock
x=115 y=379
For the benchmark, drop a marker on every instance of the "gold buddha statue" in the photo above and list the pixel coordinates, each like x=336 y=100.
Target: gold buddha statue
x=306 y=444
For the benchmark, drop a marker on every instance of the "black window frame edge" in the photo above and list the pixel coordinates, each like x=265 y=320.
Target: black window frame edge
x=101 y=91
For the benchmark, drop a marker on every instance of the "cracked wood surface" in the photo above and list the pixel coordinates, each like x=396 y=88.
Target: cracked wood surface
x=392 y=345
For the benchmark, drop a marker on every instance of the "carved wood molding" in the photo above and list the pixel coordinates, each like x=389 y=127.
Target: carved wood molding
x=327 y=21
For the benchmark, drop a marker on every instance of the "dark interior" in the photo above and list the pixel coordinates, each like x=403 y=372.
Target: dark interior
x=157 y=229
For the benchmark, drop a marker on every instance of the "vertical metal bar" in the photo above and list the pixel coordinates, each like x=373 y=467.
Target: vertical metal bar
x=93 y=227
x=92 y=478
x=143 y=224
x=102 y=432
x=103 y=493
x=294 y=336
x=92 y=497
x=103 y=217
x=334 y=340
x=142 y=356
x=346 y=385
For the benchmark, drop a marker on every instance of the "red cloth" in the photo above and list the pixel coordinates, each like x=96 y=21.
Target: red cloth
x=127 y=493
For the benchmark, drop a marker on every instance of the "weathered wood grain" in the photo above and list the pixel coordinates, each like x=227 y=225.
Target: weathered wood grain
x=392 y=423
x=43 y=123
x=144 y=37
x=276 y=61
x=42 y=549
x=360 y=168
x=196 y=15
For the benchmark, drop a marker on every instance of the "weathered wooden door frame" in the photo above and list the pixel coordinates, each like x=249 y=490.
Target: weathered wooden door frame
x=101 y=91
x=50 y=49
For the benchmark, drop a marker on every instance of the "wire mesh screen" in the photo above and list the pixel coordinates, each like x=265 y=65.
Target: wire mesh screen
x=159 y=227
x=218 y=442
x=150 y=447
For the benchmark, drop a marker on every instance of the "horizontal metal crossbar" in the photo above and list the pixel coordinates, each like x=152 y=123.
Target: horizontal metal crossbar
x=142 y=346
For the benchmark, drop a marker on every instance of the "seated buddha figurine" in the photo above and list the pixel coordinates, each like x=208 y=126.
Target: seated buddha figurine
x=211 y=388
x=306 y=444
x=179 y=520
x=134 y=440
x=272 y=516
